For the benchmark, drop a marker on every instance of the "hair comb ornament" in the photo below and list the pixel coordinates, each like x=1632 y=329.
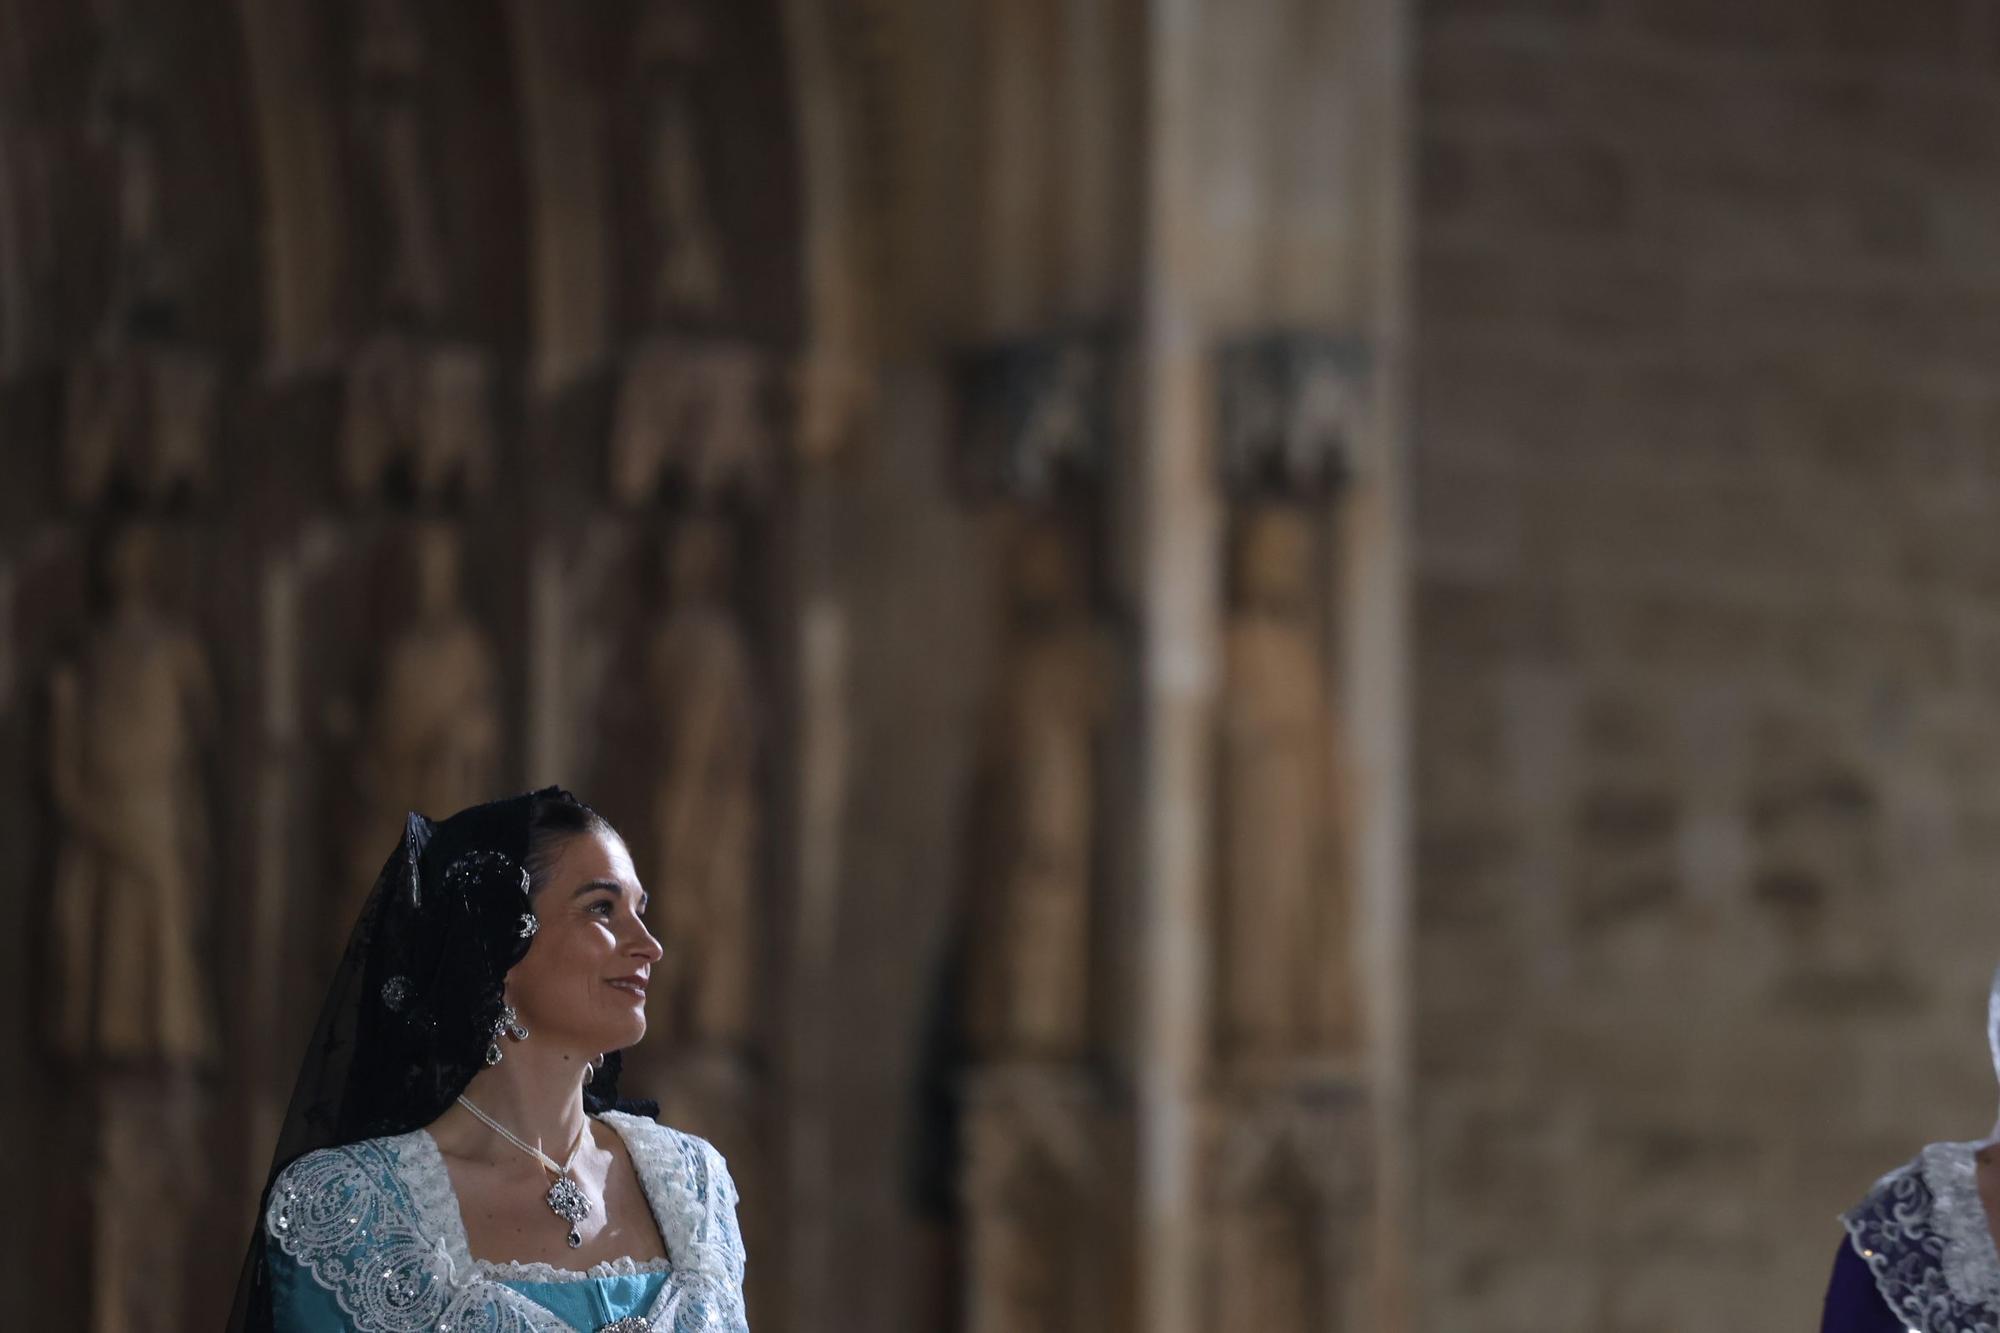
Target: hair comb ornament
x=475 y=864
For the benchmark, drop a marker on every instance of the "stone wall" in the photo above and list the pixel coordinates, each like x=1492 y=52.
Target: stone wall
x=1708 y=773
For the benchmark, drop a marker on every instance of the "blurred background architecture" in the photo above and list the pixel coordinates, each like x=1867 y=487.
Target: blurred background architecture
x=1280 y=664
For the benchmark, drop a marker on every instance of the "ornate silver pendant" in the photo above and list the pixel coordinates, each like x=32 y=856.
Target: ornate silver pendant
x=568 y=1201
x=632 y=1323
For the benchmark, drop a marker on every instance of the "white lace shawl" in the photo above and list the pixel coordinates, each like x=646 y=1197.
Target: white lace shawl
x=1922 y=1232
x=377 y=1225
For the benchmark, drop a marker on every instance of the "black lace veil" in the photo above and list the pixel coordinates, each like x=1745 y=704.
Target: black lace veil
x=414 y=1001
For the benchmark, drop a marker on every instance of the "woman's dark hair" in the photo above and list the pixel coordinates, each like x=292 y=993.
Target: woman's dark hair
x=554 y=818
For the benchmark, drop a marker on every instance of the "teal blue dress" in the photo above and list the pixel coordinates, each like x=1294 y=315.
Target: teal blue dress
x=368 y=1238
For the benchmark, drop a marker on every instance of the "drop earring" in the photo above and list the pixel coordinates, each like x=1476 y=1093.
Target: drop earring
x=509 y=1023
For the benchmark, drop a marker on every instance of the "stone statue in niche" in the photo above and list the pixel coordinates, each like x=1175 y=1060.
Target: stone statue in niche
x=686 y=276
x=142 y=418
x=139 y=412
x=421 y=411
x=127 y=119
x=1037 y=802
x=693 y=412
x=431 y=742
x=393 y=67
x=416 y=409
x=1287 y=982
x=706 y=810
x=131 y=722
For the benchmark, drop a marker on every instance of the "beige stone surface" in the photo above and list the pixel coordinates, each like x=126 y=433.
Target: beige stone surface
x=1704 y=745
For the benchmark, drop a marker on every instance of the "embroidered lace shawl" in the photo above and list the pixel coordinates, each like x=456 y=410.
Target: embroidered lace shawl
x=376 y=1225
x=1923 y=1234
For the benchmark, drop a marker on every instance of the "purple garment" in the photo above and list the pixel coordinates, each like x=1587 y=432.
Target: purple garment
x=1854 y=1303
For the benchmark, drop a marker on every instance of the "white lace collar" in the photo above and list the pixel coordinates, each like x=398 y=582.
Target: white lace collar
x=424 y=1173
x=1923 y=1233
x=377 y=1225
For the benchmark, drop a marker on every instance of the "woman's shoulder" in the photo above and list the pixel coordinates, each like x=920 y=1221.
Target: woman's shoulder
x=378 y=1157
x=346 y=1189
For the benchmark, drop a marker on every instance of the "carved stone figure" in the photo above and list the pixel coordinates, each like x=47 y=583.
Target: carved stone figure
x=432 y=740
x=131 y=720
x=1036 y=416
x=693 y=410
x=1037 y=800
x=143 y=417
x=127 y=120
x=1294 y=413
x=422 y=407
x=707 y=815
x=138 y=413
x=1287 y=985
x=687 y=275
x=393 y=60
x=414 y=403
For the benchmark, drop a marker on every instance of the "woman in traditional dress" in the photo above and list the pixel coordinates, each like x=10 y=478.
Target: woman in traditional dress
x=455 y=1156
x=1919 y=1254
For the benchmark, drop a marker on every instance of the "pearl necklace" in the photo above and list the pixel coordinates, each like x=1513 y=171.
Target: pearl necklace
x=566 y=1198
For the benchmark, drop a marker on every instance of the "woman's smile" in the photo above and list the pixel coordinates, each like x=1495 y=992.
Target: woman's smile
x=633 y=985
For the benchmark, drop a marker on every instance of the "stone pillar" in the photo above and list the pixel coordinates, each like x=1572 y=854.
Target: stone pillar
x=1177 y=539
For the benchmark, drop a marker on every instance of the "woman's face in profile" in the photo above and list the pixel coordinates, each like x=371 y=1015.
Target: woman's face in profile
x=584 y=979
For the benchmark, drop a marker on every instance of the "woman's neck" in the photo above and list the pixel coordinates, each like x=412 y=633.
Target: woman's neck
x=536 y=1093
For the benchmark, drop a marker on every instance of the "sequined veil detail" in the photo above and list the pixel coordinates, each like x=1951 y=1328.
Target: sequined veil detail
x=1923 y=1233
x=377 y=1225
